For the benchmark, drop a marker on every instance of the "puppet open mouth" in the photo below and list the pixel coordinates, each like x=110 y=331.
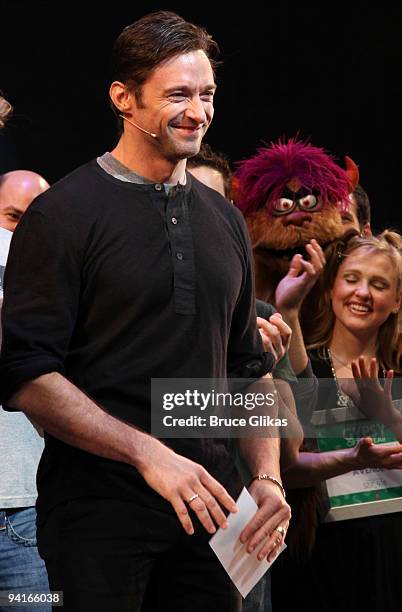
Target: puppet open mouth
x=299 y=219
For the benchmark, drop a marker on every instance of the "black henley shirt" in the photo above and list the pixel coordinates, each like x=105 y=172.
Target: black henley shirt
x=113 y=283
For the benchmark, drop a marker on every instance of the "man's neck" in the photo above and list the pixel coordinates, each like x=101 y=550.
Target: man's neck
x=143 y=160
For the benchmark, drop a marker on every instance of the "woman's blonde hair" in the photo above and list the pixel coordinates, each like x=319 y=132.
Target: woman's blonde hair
x=389 y=340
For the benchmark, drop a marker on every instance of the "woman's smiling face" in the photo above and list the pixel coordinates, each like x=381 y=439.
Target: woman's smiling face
x=365 y=291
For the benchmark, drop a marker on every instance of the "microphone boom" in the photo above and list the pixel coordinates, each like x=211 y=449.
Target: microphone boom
x=138 y=127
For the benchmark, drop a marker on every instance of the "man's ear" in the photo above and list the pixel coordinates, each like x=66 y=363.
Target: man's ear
x=366 y=230
x=121 y=97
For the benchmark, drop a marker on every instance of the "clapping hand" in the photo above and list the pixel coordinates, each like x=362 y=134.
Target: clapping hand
x=275 y=335
x=301 y=277
x=369 y=396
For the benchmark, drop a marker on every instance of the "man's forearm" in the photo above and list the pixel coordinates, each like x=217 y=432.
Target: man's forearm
x=261 y=455
x=67 y=413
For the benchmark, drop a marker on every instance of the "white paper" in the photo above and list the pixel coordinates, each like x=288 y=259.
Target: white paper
x=244 y=569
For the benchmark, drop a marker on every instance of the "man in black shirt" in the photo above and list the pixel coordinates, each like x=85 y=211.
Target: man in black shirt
x=125 y=270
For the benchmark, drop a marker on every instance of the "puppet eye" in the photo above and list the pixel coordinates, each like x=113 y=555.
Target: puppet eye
x=283 y=206
x=308 y=203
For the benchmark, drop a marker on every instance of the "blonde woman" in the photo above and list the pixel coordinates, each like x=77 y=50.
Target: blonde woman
x=355 y=564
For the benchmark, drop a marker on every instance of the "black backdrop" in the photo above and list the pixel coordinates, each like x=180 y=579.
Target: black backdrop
x=333 y=75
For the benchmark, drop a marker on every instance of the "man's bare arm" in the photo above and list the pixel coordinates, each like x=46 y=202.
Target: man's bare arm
x=262 y=456
x=68 y=414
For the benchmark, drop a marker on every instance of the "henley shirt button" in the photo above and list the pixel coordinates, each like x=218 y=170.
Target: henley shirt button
x=174 y=221
x=158 y=187
x=179 y=256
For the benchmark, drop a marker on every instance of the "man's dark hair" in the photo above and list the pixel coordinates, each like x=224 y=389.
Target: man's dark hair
x=213 y=159
x=150 y=41
x=363 y=209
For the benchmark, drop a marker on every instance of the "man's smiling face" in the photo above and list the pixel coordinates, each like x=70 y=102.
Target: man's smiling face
x=176 y=103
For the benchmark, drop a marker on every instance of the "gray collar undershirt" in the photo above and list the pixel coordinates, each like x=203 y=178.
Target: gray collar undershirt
x=112 y=166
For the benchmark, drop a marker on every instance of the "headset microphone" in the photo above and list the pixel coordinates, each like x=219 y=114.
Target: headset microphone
x=138 y=127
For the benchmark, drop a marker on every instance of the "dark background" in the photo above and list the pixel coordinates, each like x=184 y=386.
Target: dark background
x=330 y=70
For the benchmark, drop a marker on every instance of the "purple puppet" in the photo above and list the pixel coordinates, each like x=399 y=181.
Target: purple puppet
x=289 y=193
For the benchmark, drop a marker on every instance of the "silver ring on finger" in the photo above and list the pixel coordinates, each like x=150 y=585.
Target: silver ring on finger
x=192 y=498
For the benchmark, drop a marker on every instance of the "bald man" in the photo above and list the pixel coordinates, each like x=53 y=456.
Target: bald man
x=21 y=567
x=17 y=190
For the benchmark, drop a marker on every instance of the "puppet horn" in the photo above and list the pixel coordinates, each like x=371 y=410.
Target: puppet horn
x=235 y=189
x=352 y=171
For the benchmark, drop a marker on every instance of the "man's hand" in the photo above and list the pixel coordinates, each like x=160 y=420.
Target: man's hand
x=273 y=512
x=275 y=335
x=302 y=275
x=178 y=480
x=67 y=413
